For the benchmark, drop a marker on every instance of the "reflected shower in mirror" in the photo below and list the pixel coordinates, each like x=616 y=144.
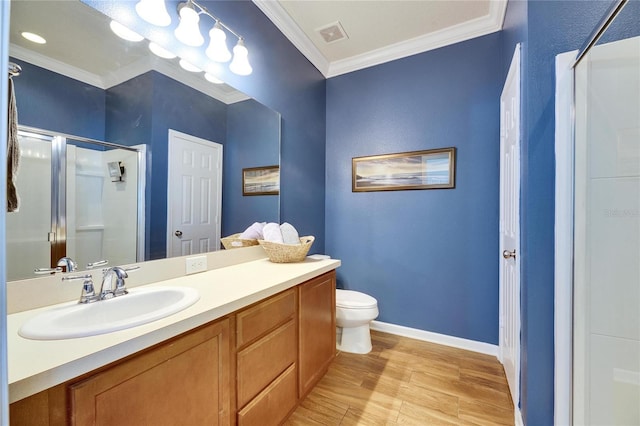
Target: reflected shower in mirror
x=85 y=81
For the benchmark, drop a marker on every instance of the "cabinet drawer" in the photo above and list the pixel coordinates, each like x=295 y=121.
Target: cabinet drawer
x=263 y=317
x=260 y=363
x=272 y=405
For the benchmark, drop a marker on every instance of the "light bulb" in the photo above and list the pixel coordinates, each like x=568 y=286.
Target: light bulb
x=160 y=51
x=217 y=49
x=188 y=66
x=188 y=30
x=212 y=78
x=154 y=12
x=33 y=37
x=240 y=64
x=124 y=32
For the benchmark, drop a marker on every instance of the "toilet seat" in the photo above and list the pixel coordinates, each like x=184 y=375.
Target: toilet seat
x=350 y=299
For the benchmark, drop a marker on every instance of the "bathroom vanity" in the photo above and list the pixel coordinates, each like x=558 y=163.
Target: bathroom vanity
x=246 y=353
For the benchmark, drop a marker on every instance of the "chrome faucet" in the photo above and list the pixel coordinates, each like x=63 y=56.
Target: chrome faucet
x=113 y=284
x=68 y=263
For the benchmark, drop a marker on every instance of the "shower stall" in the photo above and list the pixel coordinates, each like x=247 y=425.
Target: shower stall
x=78 y=198
x=598 y=226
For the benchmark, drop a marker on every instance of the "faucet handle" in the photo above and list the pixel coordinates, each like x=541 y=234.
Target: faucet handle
x=88 y=294
x=44 y=271
x=97 y=263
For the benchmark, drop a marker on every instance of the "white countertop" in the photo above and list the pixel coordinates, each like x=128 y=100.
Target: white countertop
x=35 y=365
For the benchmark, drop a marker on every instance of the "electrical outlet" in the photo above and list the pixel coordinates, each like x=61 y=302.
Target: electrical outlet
x=196 y=264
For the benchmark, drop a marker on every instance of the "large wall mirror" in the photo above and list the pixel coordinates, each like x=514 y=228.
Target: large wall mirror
x=86 y=82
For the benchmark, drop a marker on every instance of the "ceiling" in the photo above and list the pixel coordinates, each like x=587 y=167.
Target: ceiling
x=378 y=31
x=374 y=32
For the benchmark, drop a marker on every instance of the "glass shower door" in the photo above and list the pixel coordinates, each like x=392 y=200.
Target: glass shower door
x=606 y=388
x=29 y=229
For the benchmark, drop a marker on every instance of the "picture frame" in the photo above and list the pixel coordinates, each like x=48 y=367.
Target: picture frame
x=428 y=169
x=261 y=180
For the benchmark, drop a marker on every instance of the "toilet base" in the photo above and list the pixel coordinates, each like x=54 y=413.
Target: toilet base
x=355 y=340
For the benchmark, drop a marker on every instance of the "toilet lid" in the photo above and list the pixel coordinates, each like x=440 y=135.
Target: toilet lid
x=354 y=300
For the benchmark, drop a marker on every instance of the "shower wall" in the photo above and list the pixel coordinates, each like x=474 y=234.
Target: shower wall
x=607 y=245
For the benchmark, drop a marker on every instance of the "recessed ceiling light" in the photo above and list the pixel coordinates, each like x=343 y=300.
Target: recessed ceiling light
x=34 y=37
x=160 y=51
x=124 y=32
x=188 y=66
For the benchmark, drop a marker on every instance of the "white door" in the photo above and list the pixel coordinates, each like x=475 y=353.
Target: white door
x=510 y=227
x=194 y=195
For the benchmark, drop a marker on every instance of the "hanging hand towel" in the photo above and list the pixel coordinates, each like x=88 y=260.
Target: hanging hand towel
x=13 y=152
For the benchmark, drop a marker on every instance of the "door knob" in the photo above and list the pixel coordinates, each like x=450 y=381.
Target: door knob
x=507 y=254
x=178 y=233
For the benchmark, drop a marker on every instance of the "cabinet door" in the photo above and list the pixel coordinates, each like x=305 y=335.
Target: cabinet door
x=183 y=382
x=317 y=329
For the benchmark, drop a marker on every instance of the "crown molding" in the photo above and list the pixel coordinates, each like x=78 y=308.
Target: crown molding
x=141 y=66
x=487 y=24
x=292 y=31
x=56 y=66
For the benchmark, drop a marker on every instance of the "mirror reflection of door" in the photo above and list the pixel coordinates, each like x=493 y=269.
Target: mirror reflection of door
x=194 y=198
x=71 y=206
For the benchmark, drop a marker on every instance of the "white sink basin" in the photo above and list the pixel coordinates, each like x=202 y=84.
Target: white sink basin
x=138 y=307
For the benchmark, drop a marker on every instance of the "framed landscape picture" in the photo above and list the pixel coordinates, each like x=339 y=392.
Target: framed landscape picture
x=430 y=169
x=261 y=180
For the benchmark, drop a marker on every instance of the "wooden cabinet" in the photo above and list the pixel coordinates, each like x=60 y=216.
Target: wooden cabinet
x=317 y=334
x=250 y=368
x=185 y=381
x=266 y=360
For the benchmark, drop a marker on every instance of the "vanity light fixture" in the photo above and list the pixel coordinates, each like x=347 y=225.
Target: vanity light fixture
x=160 y=51
x=33 y=37
x=154 y=12
x=217 y=49
x=124 y=32
x=188 y=32
x=240 y=64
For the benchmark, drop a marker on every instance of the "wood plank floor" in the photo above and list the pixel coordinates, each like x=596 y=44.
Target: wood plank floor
x=408 y=382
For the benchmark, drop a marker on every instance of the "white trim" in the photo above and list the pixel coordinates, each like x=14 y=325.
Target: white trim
x=563 y=269
x=292 y=31
x=441 y=339
x=518 y=417
x=142 y=210
x=56 y=66
x=168 y=68
x=4 y=92
x=487 y=24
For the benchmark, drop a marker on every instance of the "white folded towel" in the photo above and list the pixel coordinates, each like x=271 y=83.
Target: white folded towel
x=272 y=233
x=254 y=232
x=289 y=234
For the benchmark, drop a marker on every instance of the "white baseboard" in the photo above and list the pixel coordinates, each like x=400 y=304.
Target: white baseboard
x=441 y=339
x=518 y=417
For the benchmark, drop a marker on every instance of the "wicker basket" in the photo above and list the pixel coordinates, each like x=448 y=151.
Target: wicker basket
x=232 y=241
x=287 y=253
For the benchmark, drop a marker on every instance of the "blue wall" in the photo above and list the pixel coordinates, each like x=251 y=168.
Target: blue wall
x=251 y=142
x=50 y=101
x=428 y=256
x=546 y=28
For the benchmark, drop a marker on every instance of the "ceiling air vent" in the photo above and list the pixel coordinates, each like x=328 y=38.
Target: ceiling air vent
x=333 y=32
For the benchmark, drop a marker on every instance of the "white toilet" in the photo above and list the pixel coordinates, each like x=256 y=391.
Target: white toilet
x=354 y=312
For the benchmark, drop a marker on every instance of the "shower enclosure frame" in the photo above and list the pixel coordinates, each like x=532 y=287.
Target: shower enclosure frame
x=565 y=134
x=58 y=234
